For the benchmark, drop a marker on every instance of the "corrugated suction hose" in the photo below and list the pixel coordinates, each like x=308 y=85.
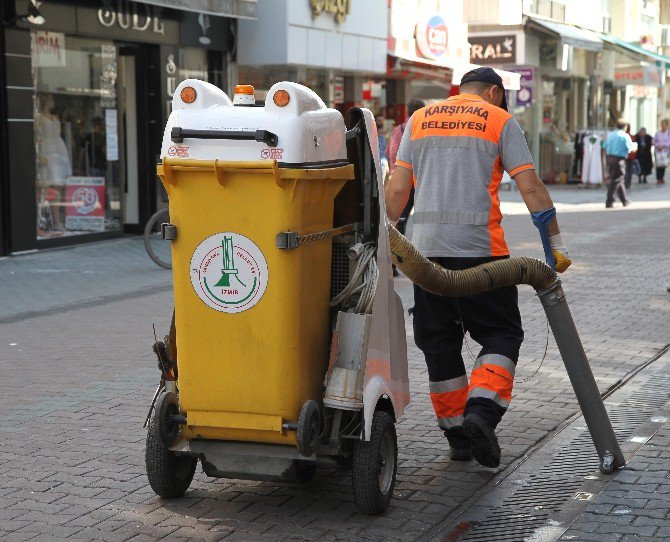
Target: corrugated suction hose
x=539 y=275
x=489 y=276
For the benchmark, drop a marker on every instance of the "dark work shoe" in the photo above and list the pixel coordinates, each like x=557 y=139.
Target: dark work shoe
x=460 y=454
x=459 y=444
x=485 y=447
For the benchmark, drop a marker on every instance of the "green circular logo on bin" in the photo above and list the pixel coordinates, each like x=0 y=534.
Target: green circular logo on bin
x=229 y=272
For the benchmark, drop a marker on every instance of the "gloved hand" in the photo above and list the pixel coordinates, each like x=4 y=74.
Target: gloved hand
x=560 y=253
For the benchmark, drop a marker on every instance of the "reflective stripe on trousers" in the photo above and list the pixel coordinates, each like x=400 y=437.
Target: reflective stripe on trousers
x=493 y=378
x=449 y=398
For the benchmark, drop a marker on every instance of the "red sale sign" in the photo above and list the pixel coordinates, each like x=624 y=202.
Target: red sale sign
x=85 y=203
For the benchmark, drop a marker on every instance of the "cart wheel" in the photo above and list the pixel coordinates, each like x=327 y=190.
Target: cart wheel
x=166 y=407
x=309 y=428
x=304 y=471
x=169 y=474
x=374 y=466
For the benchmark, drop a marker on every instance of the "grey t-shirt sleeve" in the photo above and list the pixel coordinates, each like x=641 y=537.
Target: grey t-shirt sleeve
x=404 y=157
x=514 y=152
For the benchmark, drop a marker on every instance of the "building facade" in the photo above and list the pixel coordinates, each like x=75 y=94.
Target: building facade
x=335 y=48
x=85 y=90
x=584 y=63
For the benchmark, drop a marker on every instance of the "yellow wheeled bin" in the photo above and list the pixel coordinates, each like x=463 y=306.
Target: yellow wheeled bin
x=252 y=318
x=287 y=345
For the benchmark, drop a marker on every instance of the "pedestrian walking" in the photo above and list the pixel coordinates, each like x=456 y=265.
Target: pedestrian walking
x=661 y=143
x=394 y=143
x=396 y=135
x=456 y=151
x=618 y=146
x=630 y=159
x=379 y=121
x=644 y=143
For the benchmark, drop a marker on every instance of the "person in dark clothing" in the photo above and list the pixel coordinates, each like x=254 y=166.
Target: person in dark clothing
x=93 y=157
x=628 y=179
x=644 y=143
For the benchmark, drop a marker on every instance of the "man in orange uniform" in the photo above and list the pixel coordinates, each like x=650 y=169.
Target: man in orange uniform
x=455 y=153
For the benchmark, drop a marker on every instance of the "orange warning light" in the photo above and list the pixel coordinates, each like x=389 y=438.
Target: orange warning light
x=188 y=95
x=281 y=98
x=244 y=89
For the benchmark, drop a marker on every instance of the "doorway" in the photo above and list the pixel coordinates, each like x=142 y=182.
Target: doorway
x=140 y=133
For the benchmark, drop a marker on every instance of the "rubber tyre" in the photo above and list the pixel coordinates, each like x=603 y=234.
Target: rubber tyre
x=309 y=428
x=169 y=474
x=153 y=225
x=367 y=466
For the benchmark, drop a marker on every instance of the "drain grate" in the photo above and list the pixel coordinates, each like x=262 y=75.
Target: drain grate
x=504 y=527
x=541 y=497
x=542 y=493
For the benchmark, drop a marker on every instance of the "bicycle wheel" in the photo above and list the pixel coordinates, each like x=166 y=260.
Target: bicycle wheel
x=157 y=248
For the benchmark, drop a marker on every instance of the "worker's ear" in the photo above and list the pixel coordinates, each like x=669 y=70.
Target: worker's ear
x=491 y=95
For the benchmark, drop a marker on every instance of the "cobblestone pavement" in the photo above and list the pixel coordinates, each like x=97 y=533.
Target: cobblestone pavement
x=635 y=505
x=76 y=385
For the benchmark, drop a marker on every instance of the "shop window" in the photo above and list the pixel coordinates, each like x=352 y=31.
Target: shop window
x=76 y=138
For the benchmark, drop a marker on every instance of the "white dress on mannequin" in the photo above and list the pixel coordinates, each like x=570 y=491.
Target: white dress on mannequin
x=592 y=163
x=53 y=159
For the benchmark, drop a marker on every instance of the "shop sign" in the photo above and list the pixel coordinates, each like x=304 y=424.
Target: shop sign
x=432 y=37
x=524 y=96
x=637 y=75
x=338 y=89
x=48 y=49
x=223 y=8
x=499 y=49
x=127 y=17
x=85 y=208
x=126 y=20
x=339 y=9
x=202 y=30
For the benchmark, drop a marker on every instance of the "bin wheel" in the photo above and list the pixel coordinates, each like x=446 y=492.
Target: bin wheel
x=374 y=466
x=304 y=471
x=169 y=474
x=309 y=428
x=167 y=406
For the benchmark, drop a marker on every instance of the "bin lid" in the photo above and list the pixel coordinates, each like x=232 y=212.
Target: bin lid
x=294 y=127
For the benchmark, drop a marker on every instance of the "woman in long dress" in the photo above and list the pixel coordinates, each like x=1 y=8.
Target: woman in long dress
x=644 y=144
x=662 y=149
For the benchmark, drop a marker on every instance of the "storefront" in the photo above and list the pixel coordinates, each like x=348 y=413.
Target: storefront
x=638 y=86
x=563 y=72
x=428 y=52
x=334 y=48
x=86 y=89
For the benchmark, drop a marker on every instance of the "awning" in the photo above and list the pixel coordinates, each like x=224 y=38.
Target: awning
x=568 y=34
x=239 y=9
x=451 y=72
x=637 y=51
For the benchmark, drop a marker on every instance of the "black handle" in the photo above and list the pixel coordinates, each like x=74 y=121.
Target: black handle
x=262 y=136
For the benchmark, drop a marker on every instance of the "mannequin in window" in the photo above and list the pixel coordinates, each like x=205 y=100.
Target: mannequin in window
x=53 y=162
x=52 y=157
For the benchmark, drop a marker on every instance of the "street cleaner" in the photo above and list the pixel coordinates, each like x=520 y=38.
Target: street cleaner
x=454 y=153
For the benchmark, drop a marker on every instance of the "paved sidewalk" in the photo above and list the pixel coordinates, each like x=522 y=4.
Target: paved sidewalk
x=76 y=385
x=54 y=279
